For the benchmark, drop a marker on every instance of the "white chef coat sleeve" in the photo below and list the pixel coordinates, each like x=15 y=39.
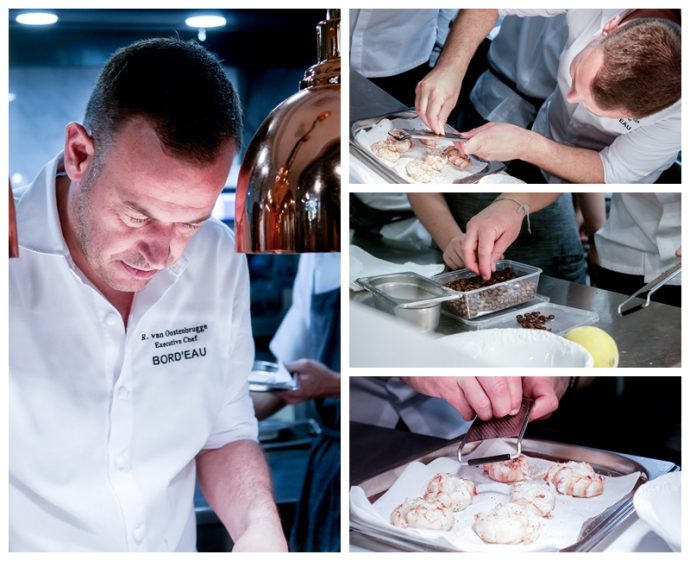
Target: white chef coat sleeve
x=236 y=419
x=642 y=154
x=291 y=341
x=545 y=12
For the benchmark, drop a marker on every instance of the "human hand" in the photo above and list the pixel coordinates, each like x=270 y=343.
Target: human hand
x=678 y=252
x=261 y=537
x=315 y=380
x=485 y=397
x=497 y=141
x=435 y=97
x=488 y=235
x=452 y=254
x=546 y=391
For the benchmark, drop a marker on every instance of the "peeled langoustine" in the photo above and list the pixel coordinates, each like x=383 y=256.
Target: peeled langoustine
x=577 y=479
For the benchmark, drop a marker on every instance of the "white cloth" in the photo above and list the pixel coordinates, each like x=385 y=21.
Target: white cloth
x=390 y=42
x=641 y=235
x=105 y=423
x=526 y=51
x=383 y=401
x=317 y=273
x=631 y=150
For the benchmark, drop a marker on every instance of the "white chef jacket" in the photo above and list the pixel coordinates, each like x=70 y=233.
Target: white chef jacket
x=390 y=42
x=526 y=51
x=317 y=273
x=382 y=401
x=631 y=150
x=641 y=235
x=105 y=423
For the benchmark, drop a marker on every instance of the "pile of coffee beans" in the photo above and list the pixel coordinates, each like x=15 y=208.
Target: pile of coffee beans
x=534 y=320
x=472 y=305
x=472 y=283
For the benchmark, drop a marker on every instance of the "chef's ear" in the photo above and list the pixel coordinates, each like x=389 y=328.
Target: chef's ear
x=612 y=25
x=79 y=151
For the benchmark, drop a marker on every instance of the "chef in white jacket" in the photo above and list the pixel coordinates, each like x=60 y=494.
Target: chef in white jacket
x=579 y=136
x=130 y=337
x=523 y=64
x=640 y=239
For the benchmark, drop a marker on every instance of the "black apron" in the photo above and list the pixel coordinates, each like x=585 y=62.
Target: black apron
x=317 y=520
x=554 y=245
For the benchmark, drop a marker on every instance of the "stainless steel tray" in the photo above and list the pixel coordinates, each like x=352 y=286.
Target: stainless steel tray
x=390 y=174
x=593 y=531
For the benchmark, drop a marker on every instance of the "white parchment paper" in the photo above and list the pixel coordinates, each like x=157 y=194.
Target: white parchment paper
x=555 y=533
x=379 y=132
x=364 y=264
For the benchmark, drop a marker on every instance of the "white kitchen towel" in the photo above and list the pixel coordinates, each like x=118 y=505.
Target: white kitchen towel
x=363 y=264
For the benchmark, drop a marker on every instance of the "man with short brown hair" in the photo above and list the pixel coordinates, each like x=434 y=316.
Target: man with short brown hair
x=641 y=68
x=581 y=134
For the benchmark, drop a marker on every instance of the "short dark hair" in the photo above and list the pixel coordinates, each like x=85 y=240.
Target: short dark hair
x=641 y=68
x=179 y=87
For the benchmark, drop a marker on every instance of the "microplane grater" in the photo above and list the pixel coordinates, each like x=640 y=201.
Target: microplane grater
x=495 y=440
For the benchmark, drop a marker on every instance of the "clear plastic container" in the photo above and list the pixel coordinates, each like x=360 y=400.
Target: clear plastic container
x=488 y=299
x=564 y=319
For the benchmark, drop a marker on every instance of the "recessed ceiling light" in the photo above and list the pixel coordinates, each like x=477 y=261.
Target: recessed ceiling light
x=36 y=18
x=206 y=21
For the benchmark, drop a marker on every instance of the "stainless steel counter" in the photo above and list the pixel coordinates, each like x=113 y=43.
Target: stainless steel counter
x=650 y=337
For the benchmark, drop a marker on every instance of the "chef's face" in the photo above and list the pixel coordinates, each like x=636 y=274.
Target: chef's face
x=583 y=70
x=137 y=213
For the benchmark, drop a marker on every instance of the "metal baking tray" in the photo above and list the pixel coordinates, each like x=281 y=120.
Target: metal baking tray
x=593 y=531
x=408 y=119
x=263 y=378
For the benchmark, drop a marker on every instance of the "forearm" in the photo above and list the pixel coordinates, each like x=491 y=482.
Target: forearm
x=534 y=201
x=236 y=484
x=576 y=165
x=266 y=404
x=593 y=208
x=434 y=214
x=468 y=31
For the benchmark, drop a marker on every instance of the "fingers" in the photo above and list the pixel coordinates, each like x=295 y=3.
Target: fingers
x=488 y=397
x=453 y=259
x=421 y=102
x=437 y=113
x=452 y=255
x=472 y=399
x=542 y=390
x=485 y=252
x=504 y=393
x=469 y=248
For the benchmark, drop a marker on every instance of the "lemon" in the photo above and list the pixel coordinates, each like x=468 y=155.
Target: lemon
x=600 y=345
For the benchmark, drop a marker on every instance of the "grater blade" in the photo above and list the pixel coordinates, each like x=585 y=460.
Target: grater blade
x=495 y=440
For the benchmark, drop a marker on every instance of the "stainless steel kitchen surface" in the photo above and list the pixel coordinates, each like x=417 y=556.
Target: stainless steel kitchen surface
x=650 y=337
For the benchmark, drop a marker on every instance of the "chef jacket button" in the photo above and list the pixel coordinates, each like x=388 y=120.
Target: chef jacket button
x=111 y=319
x=139 y=533
x=123 y=393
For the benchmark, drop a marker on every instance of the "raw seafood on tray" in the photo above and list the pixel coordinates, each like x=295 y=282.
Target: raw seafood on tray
x=416 y=160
